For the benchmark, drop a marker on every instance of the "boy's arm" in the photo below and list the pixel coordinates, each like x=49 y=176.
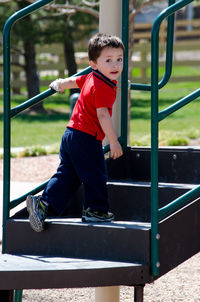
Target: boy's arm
x=61 y=84
x=107 y=126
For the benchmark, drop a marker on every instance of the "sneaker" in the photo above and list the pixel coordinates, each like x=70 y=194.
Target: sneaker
x=37 y=212
x=94 y=216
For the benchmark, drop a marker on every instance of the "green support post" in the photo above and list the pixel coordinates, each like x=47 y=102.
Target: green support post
x=124 y=85
x=18 y=295
x=154 y=148
x=173 y=7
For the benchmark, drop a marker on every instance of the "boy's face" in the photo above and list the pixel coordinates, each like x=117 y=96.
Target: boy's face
x=110 y=62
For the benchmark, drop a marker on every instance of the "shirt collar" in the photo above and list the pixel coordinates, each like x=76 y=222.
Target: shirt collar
x=105 y=79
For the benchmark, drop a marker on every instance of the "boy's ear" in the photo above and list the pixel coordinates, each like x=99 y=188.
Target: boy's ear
x=93 y=65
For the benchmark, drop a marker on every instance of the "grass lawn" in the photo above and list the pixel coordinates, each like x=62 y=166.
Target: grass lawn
x=177 y=129
x=40 y=129
x=47 y=129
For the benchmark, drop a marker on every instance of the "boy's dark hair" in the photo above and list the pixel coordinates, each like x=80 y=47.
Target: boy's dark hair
x=99 y=42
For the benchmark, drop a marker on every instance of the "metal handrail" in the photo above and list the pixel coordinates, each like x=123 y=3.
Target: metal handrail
x=6 y=52
x=178 y=202
x=11 y=112
x=124 y=85
x=122 y=139
x=178 y=105
x=169 y=57
x=38 y=98
x=157 y=213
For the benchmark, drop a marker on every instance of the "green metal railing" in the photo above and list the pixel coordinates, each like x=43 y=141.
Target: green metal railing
x=154 y=87
x=11 y=112
x=156 y=116
x=156 y=213
x=7 y=110
x=169 y=57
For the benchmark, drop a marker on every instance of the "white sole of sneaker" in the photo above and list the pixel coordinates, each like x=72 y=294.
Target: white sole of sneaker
x=94 y=219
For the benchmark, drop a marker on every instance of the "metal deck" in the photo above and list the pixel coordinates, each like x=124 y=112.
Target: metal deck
x=29 y=272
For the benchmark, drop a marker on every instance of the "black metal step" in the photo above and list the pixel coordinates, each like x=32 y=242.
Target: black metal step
x=176 y=165
x=29 y=272
x=129 y=200
x=116 y=241
x=179 y=236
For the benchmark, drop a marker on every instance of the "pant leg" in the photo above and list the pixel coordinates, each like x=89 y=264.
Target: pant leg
x=88 y=160
x=65 y=182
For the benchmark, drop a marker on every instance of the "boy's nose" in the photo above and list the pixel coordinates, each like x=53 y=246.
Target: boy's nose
x=115 y=64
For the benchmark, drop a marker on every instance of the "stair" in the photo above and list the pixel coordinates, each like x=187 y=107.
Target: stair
x=116 y=253
x=30 y=272
x=117 y=241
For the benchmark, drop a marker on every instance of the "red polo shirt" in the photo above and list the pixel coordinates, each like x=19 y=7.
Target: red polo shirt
x=97 y=91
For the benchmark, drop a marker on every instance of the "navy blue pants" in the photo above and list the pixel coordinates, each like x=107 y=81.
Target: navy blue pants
x=81 y=161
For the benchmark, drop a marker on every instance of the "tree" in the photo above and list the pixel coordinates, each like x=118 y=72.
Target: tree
x=29 y=31
x=24 y=33
x=68 y=10
x=91 y=7
x=66 y=30
x=5 y=11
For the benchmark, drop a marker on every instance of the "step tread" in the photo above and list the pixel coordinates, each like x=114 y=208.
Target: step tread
x=28 y=271
x=41 y=263
x=81 y=240
x=148 y=184
x=78 y=222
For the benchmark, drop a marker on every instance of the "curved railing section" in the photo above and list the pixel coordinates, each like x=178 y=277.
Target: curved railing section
x=156 y=213
x=11 y=112
x=7 y=111
x=169 y=52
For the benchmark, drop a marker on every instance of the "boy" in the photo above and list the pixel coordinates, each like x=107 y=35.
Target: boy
x=81 y=153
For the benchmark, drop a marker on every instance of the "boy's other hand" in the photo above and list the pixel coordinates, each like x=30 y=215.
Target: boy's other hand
x=115 y=150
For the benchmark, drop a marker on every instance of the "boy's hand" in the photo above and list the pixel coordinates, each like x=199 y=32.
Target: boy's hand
x=61 y=84
x=56 y=85
x=115 y=150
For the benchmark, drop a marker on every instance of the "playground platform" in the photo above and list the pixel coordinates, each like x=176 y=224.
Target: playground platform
x=154 y=193
x=70 y=253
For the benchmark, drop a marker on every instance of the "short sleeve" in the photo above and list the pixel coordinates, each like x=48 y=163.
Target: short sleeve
x=104 y=98
x=80 y=80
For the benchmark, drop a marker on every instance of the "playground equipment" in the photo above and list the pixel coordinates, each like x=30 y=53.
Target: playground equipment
x=156 y=229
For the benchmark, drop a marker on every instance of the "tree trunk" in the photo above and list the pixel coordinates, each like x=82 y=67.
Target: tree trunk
x=70 y=60
x=32 y=78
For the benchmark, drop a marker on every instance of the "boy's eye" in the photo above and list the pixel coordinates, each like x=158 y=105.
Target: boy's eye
x=108 y=60
x=119 y=60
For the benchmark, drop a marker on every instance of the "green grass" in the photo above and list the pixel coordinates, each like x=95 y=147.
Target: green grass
x=40 y=129
x=176 y=71
x=46 y=129
x=177 y=129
